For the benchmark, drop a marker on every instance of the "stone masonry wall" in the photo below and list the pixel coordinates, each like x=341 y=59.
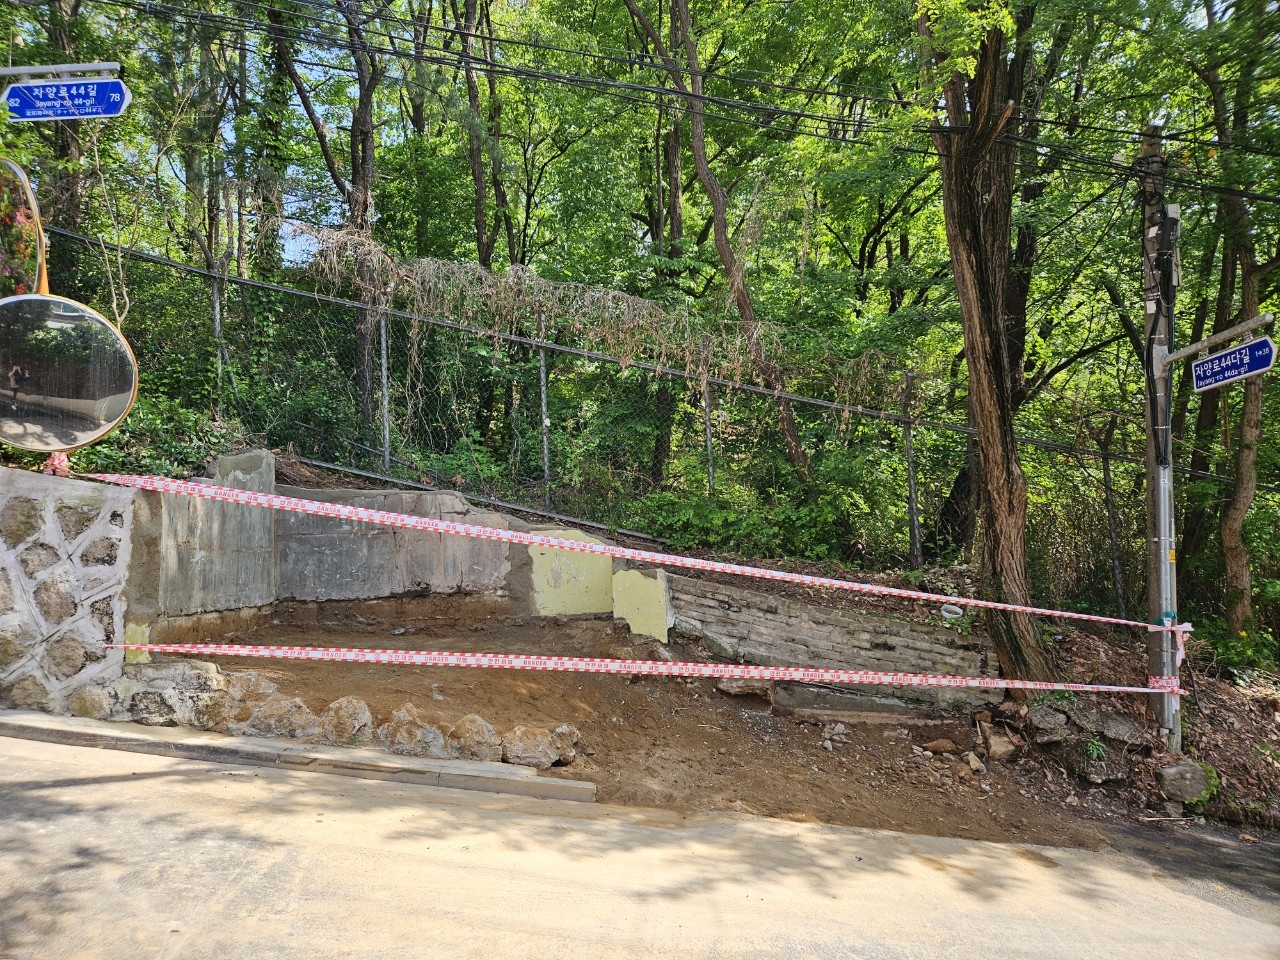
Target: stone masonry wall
x=754 y=627
x=64 y=565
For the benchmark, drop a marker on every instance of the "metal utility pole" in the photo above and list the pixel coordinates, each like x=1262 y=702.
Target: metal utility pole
x=1159 y=283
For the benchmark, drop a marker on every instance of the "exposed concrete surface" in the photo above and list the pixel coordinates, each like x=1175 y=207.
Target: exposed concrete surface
x=256 y=751
x=565 y=582
x=108 y=855
x=642 y=599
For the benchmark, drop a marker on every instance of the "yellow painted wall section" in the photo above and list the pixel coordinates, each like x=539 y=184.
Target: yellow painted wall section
x=641 y=598
x=565 y=582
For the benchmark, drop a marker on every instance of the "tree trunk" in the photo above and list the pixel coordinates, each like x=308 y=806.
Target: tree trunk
x=769 y=371
x=977 y=159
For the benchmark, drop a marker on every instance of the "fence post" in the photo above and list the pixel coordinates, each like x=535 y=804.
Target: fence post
x=913 y=509
x=1104 y=445
x=386 y=396
x=216 y=284
x=546 y=419
x=706 y=429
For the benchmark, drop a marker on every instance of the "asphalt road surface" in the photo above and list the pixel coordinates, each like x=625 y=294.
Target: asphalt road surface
x=127 y=856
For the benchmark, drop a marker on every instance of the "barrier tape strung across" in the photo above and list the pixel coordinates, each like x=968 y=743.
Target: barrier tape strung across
x=658 y=668
x=580 y=664
x=386 y=518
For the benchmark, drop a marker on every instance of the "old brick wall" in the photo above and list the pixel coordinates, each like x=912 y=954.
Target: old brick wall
x=64 y=564
x=755 y=627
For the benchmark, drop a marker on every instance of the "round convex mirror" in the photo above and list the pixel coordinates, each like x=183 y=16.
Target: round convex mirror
x=67 y=377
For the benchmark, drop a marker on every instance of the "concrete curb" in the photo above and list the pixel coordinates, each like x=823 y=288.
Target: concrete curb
x=315 y=758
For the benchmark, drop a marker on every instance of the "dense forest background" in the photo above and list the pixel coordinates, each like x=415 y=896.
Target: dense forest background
x=789 y=280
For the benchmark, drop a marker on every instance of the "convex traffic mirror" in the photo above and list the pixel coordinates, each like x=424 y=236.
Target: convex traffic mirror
x=67 y=376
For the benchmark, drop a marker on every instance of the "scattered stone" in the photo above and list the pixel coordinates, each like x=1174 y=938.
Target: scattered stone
x=976 y=765
x=826 y=745
x=563 y=740
x=38 y=557
x=54 y=599
x=529 y=747
x=152 y=708
x=249 y=686
x=283 y=718
x=347 y=722
x=982 y=716
x=1046 y=718
x=736 y=687
x=473 y=738
x=100 y=553
x=416 y=733
x=1085 y=717
x=187 y=676
x=64 y=657
x=942 y=745
x=20 y=518
x=999 y=746
x=25 y=693
x=76 y=520
x=1121 y=727
x=213 y=710
x=1186 y=781
x=92 y=702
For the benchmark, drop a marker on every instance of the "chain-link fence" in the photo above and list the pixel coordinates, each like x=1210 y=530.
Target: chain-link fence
x=563 y=431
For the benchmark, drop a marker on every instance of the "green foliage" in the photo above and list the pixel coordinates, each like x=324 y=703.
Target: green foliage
x=1211 y=789
x=1244 y=649
x=161 y=437
x=1094 y=748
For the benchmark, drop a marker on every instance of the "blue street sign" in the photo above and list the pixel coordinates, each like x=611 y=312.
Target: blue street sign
x=1248 y=359
x=68 y=98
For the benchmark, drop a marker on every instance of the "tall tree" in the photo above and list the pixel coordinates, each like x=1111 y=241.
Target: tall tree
x=977 y=155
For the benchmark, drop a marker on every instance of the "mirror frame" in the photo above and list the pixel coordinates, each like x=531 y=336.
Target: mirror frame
x=42 y=273
x=133 y=362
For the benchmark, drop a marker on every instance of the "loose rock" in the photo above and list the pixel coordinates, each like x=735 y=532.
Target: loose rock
x=999 y=746
x=347 y=722
x=214 y=710
x=1184 y=782
x=736 y=687
x=151 y=708
x=941 y=746
x=473 y=738
x=529 y=747
x=416 y=733
x=283 y=718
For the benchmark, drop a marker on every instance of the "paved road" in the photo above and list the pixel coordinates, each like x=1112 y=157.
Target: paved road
x=126 y=856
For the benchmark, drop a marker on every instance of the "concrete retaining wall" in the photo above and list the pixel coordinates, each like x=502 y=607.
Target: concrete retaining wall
x=82 y=564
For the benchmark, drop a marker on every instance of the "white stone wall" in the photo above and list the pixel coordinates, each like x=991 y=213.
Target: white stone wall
x=64 y=563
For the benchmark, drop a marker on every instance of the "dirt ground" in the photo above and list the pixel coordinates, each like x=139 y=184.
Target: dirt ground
x=667 y=742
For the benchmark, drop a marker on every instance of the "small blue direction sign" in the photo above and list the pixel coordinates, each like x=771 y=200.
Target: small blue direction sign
x=73 y=98
x=1248 y=359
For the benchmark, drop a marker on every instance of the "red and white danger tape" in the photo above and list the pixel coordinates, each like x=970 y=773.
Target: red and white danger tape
x=657 y=668
x=522 y=662
x=386 y=518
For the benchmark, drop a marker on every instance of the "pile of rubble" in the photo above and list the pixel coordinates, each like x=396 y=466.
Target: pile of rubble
x=198 y=694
